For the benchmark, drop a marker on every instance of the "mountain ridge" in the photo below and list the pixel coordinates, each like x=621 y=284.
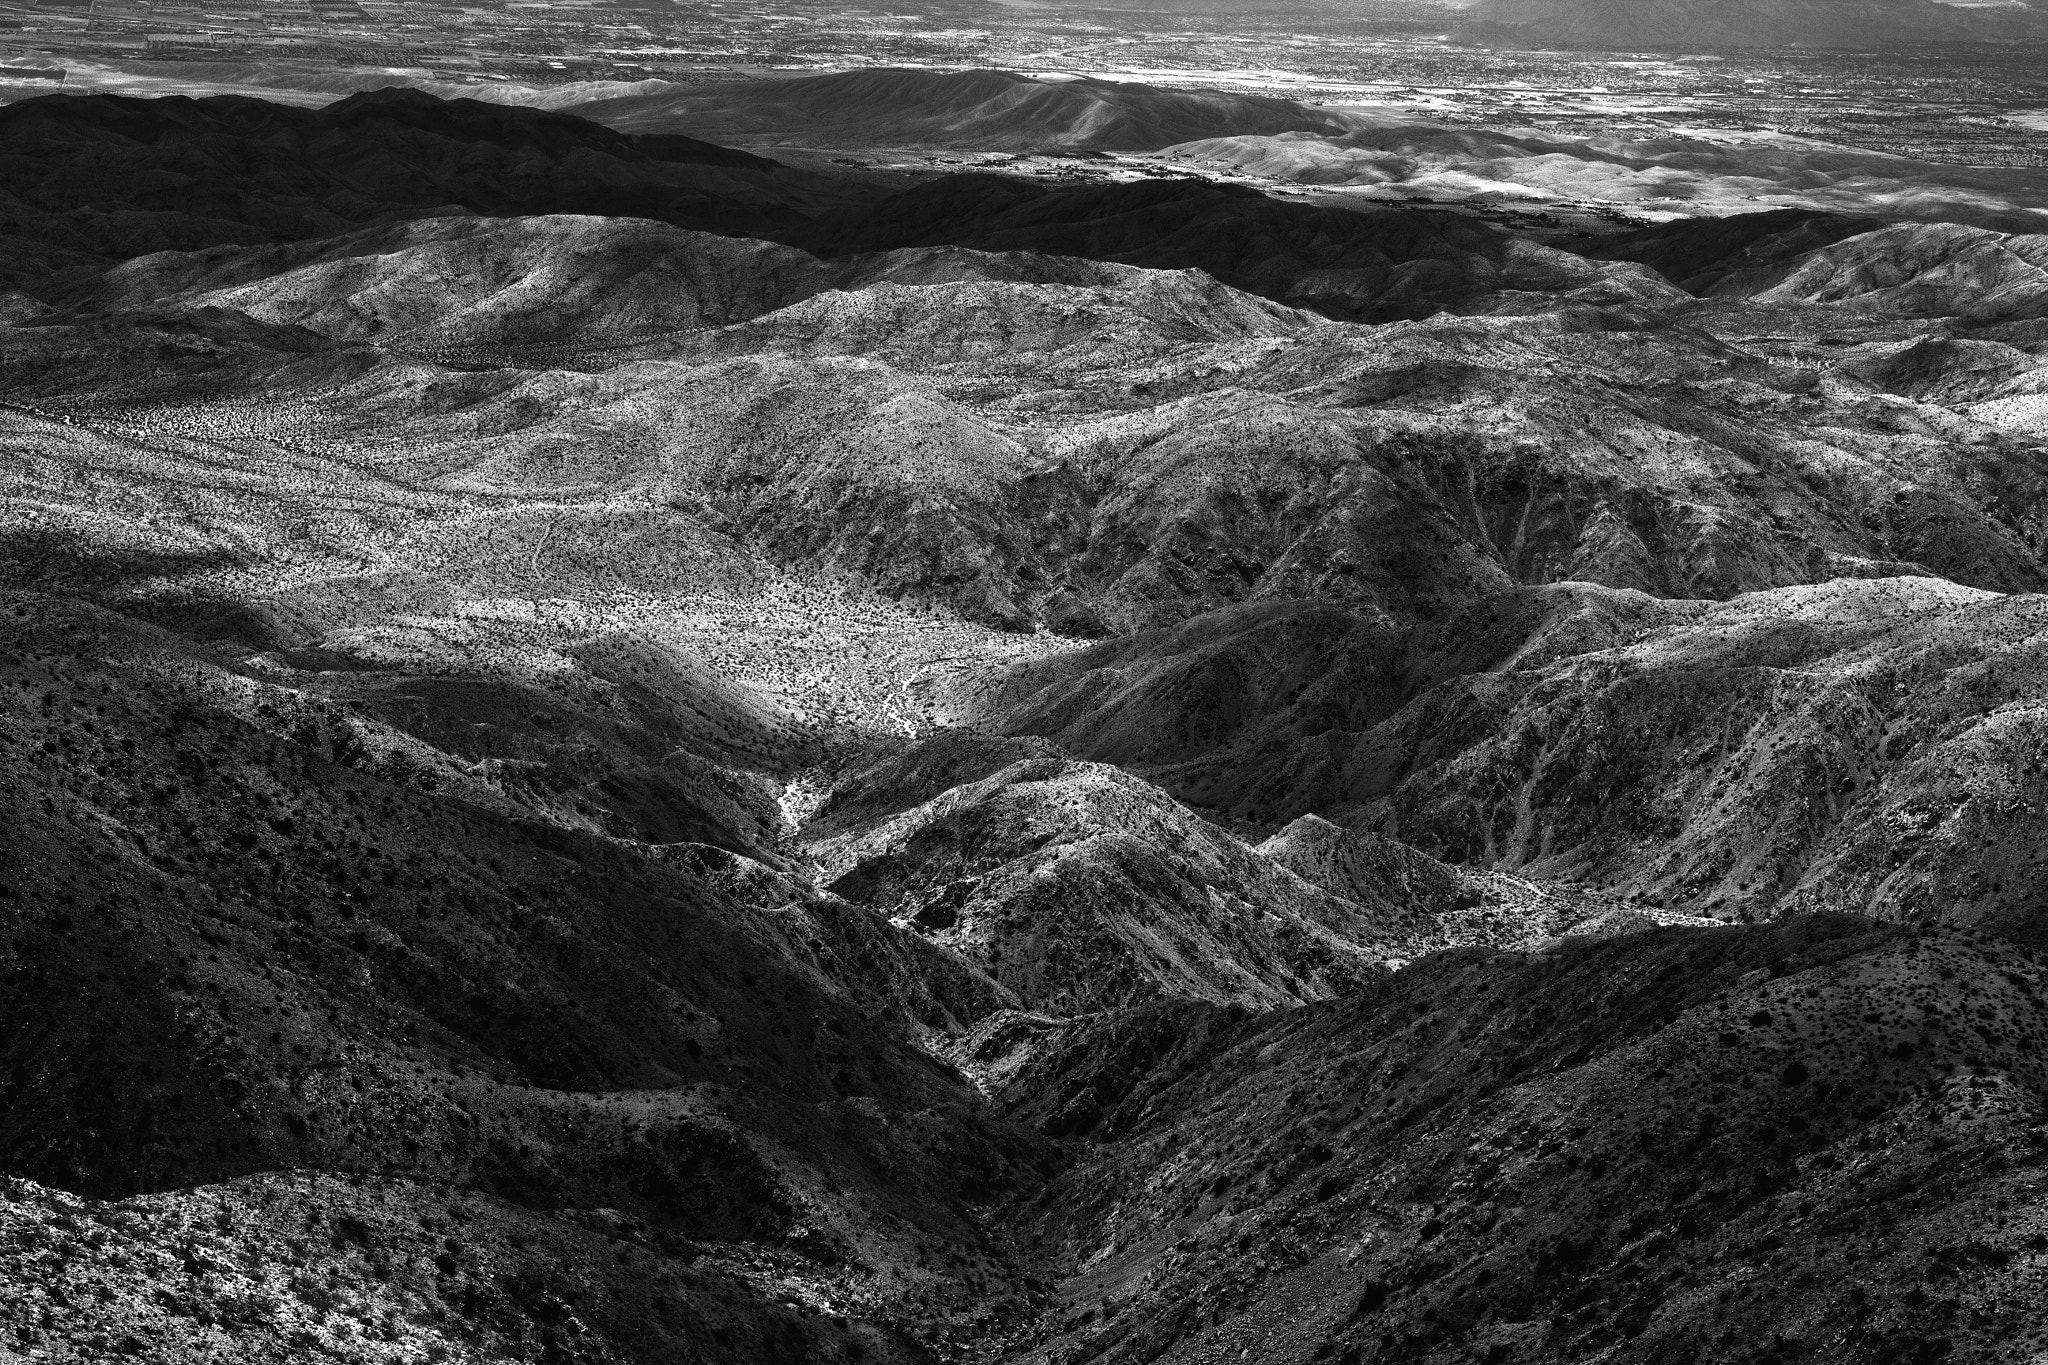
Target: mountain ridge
x=1025 y=771
x=980 y=109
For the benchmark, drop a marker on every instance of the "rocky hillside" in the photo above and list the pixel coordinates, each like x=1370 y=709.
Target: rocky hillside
x=1111 y=772
x=1082 y=889
x=1369 y=263
x=1818 y=1140
x=1090 y=446
x=1864 y=745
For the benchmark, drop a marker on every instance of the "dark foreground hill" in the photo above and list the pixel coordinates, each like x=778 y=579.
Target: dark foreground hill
x=246 y=930
x=1819 y=1141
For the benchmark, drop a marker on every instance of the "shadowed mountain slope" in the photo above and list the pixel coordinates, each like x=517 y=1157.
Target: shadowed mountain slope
x=1739 y=255
x=252 y=928
x=1367 y=868
x=1368 y=264
x=111 y=177
x=1816 y=1141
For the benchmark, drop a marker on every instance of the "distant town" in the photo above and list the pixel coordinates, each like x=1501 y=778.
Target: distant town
x=502 y=40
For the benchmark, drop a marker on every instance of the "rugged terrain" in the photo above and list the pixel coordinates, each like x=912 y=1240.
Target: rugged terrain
x=98 y=178
x=957 y=110
x=837 y=767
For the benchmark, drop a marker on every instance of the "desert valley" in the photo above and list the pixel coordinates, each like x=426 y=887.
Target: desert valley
x=1024 y=683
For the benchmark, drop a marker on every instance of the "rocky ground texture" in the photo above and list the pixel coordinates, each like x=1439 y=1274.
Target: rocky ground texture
x=613 y=751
